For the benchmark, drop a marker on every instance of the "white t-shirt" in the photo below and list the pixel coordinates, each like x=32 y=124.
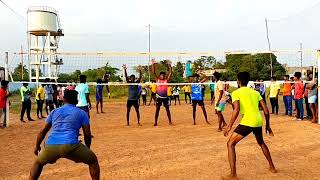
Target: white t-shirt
x=219 y=86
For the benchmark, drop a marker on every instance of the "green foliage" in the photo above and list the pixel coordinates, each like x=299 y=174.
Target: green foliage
x=17 y=73
x=258 y=65
x=204 y=63
x=92 y=74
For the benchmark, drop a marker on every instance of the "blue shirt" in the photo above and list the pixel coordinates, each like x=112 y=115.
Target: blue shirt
x=99 y=89
x=83 y=90
x=66 y=122
x=196 y=92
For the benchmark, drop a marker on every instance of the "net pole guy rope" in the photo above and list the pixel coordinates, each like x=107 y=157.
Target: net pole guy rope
x=6 y=77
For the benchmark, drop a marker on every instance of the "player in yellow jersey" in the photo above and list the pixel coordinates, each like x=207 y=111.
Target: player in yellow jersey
x=246 y=101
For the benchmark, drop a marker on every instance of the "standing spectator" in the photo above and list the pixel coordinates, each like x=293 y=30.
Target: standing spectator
x=274 y=93
x=306 y=91
x=153 y=89
x=287 y=95
x=298 y=96
x=48 y=97
x=176 y=95
x=144 y=93
x=187 y=93
x=212 y=91
x=3 y=102
x=55 y=93
x=99 y=96
x=60 y=90
x=106 y=78
x=40 y=101
x=263 y=90
x=25 y=93
x=71 y=86
x=84 y=102
x=312 y=97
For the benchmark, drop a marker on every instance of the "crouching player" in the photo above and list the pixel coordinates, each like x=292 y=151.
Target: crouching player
x=62 y=141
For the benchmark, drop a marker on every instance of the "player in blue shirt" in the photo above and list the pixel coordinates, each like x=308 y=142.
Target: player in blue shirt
x=62 y=141
x=99 y=96
x=197 y=96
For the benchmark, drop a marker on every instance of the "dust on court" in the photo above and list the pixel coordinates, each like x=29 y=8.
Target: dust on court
x=183 y=151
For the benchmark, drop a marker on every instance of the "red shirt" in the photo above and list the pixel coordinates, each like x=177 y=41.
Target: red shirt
x=3 y=99
x=298 y=90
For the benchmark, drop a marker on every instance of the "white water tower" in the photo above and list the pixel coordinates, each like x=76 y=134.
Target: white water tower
x=44 y=32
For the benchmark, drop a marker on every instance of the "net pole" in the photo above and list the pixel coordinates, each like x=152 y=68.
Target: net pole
x=270 y=56
x=6 y=77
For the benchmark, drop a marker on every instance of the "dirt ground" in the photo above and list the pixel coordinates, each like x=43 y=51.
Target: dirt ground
x=183 y=151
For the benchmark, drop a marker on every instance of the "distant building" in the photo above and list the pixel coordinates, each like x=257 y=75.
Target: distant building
x=211 y=71
x=304 y=70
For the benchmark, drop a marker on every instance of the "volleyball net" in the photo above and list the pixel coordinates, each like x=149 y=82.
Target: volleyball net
x=68 y=66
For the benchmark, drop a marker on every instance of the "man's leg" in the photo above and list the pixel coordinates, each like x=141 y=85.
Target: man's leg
x=301 y=109
x=36 y=171
x=222 y=122
x=285 y=101
x=290 y=105
x=313 y=110
x=265 y=150
x=185 y=98
x=277 y=105
x=194 y=110
x=189 y=98
x=128 y=113
x=233 y=140
x=157 y=114
x=272 y=105
x=29 y=110
x=168 y=114
x=97 y=106
x=136 y=107
x=179 y=99
x=23 y=110
x=205 y=113
x=309 y=113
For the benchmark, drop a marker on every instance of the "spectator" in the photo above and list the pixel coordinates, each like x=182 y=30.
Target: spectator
x=287 y=96
x=40 y=101
x=263 y=90
x=25 y=93
x=298 y=96
x=48 y=96
x=312 y=97
x=3 y=102
x=274 y=93
x=306 y=92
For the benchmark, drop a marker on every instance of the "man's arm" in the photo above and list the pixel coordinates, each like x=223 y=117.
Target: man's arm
x=140 y=73
x=42 y=134
x=125 y=72
x=235 y=114
x=170 y=70
x=267 y=116
x=153 y=69
x=204 y=77
x=88 y=99
x=87 y=135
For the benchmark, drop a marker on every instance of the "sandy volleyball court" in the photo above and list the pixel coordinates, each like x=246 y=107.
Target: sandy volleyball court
x=183 y=151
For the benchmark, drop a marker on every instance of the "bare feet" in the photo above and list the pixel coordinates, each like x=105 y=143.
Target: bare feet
x=102 y=112
x=219 y=130
x=207 y=122
x=229 y=177
x=155 y=125
x=98 y=112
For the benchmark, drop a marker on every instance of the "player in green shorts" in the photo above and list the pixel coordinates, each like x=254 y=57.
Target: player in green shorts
x=246 y=101
x=65 y=123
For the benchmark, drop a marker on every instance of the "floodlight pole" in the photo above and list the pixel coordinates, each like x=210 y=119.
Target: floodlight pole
x=6 y=77
x=267 y=32
x=301 y=58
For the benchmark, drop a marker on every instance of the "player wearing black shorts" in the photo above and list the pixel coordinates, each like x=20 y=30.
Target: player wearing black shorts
x=246 y=101
x=197 y=96
x=133 y=93
x=162 y=91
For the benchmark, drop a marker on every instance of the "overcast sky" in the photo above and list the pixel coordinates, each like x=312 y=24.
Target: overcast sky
x=177 y=25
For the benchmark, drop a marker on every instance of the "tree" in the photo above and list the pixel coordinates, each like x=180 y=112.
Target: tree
x=204 y=63
x=258 y=65
x=17 y=73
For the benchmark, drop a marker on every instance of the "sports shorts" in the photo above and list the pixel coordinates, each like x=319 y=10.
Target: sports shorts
x=75 y=152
